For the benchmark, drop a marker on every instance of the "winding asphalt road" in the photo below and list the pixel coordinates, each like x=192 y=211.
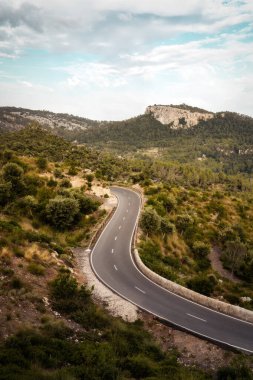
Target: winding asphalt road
x=112 y=263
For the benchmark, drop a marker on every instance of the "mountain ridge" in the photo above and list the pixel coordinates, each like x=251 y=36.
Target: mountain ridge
x=175 y=116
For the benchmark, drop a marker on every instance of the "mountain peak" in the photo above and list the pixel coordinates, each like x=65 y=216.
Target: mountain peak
x=178 y=116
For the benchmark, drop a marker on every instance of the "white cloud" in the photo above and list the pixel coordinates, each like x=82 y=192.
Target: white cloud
x=127 y=54
x=82 y=25
x=92 y=74
x=35 y=86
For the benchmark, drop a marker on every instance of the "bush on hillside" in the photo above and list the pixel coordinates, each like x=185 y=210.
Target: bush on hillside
x=62 y=212
x=202 y=284
x=150 y=221
x=200 y=249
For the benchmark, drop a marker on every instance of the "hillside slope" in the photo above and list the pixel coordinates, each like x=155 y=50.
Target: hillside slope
x=224 y=140
x=12 y=118
x=50 y=328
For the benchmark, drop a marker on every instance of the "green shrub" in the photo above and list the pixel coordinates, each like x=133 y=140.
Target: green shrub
x=16 y=283
x=5 y=193
x=150 y=221
x=166 y=226
x=58 y=173
x=89 y=177
x=64 y=286
x=183 y=222
x=75 y=301
x=232 y=298
x=42 y=163
x=200 y=249
x=72 y=171
x=86 y=204
x=27 y=204
x=168 y=201
x=151 y=190
x=203 y=263
x=51 y=183
x=12 y=172
x=238 y=259
x=141 y=366
x=201 y=284
x=32 y=184
x=237 y=372
x=62 y=212
x=36 y=269
x=66 y=183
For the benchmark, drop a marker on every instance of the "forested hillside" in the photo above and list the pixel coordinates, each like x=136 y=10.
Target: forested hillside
x=227 y=139
x=222 y=143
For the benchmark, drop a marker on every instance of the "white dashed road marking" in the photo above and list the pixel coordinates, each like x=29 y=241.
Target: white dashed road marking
x=115 y=267
x=140 y=290
x=194 y=316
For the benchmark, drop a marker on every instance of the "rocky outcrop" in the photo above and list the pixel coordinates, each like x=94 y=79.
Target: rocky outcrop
x=178 y=117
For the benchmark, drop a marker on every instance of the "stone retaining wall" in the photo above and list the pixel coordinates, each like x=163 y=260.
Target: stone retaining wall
x=223 y=307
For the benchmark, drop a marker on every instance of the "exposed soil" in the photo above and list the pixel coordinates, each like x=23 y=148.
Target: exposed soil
x=214 y=257
x=116 y=305
x=77 y=181
x=192 y=350
x=100 y=191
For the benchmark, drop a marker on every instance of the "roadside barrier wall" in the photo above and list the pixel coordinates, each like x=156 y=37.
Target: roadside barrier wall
x=212 y=303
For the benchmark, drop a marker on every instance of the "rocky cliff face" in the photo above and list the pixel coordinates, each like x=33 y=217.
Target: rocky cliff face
x=178 y=116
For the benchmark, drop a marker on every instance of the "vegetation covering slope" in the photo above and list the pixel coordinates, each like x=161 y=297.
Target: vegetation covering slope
x=181 y=226
x=191 y=208
x=50 y=327
x=12 y=118
x=226 y=141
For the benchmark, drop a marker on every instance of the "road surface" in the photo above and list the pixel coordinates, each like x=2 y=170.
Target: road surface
x=112 y=263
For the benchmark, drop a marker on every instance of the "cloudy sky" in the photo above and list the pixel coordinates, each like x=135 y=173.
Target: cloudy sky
x=109 y=59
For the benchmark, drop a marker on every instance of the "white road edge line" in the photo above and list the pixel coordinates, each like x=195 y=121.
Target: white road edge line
x=151 y=312
x=194 y=316
x=115 y=267
x=140 y=290
x=166 y=290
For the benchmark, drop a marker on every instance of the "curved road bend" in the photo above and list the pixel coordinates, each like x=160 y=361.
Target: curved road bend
x=112 y=263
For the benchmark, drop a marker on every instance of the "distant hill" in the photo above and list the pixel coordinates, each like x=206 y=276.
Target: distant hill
x=185 y=133
x=12 y=118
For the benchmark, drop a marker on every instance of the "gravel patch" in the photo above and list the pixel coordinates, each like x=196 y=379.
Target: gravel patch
x=117 y=306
